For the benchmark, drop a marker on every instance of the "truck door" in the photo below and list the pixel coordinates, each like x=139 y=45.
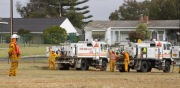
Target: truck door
x=166 y=50
x=103 y=50
x=97 y=51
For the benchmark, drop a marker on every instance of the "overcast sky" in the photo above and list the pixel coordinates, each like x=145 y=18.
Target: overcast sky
x=100 y=9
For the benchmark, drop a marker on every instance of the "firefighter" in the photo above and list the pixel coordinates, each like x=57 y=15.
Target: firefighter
x=50 y=54
x=144 y=50
x=52 y=58
x=159 y=44
x=14 y=55
x=112 y=60
x=139 y=41
x=126 y=60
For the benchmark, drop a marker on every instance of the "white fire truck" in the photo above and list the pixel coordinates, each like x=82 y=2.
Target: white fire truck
x=81 y=55
x=158 y=57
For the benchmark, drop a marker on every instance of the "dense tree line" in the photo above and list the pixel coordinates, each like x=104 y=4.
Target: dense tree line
x=155 y=9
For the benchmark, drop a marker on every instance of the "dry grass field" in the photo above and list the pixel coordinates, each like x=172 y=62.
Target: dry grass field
x=33 y=73
x=36 y=75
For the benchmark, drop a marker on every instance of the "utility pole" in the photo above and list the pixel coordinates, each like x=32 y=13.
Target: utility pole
x=11 y=14
x=178 y=15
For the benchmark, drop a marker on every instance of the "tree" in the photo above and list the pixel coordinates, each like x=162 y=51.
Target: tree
x=23 y=31
x=142 y=29
x=155 y=9
x=54 y=35
x=164 y=9
x=25 y=34
x=55 y=8
x=135 y=35
x=114 y=16
x=83 y=10
x=8 y=38
x=130 y=10
x=37 y=9
x=75 y=18
x=141 y=33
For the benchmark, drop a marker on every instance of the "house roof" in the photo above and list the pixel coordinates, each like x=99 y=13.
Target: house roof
x=2 y=21
x=32 y=24
x=78 y=31
x=129 y=24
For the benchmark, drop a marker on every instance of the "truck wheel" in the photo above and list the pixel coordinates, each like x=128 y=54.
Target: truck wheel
x=167 y=67
x=149 y=69
x=83 y=65
x=104 y=66
x=87 y=68
x=61 y=68
x=78 y=69
x=66 y=66
x=144 y=66
x=138 y=70
x=122 y=69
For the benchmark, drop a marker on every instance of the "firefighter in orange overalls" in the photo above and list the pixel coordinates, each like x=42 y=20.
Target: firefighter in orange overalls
x=14 y=55
x=52 y=58
x=126 y=60
x=112 y=60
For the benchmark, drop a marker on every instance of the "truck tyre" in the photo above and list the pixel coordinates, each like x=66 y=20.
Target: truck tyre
x=104 y=65
x=122 y=69
x=83 y=65
x=167 y=67
x=66 y=66
x=61 y=68
x=78 y=68
x=138 y=70
x=149 y=69
x=87 y=67
x=144 y=66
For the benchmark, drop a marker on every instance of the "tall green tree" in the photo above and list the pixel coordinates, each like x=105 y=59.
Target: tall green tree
x=135 y=35
x=115 y=16
x=142 y=28
x=75 y=18
x=164 y=9
x=155 y=9
x=141 y=33
x=78 y=15
x=54 y=35
x=83 y=10
x=130 y=10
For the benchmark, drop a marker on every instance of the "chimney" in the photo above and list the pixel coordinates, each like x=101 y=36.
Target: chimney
x=146 y=19
x=141 y=18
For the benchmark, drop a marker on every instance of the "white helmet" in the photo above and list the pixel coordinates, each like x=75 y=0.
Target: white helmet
x=14 y=36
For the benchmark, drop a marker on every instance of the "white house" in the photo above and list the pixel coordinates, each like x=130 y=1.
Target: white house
x=117 y=31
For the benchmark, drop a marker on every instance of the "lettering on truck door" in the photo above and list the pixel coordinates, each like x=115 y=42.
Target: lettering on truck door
x=85 y=52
